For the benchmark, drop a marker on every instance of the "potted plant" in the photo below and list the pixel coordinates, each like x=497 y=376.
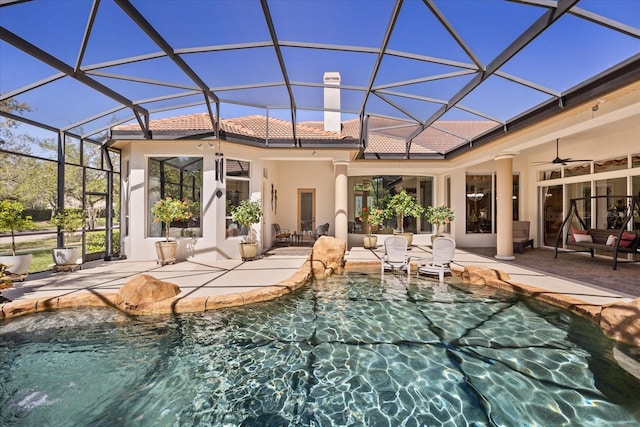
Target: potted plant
x=247 y=213
x=166 y=211
x=12 y=219
x=371 y=218
x=403 y=205
x=68 y=222
x=439 y=217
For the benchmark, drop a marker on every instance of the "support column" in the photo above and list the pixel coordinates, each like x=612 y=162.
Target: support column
x=340 y=169
x=504 y=207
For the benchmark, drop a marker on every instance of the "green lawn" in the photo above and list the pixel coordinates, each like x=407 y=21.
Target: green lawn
x=41 y=251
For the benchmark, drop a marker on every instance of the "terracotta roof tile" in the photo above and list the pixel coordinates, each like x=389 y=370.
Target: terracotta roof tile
x=386 y=135
x=253 y=126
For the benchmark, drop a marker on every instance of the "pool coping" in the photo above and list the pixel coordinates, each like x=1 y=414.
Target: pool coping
x=475 y=275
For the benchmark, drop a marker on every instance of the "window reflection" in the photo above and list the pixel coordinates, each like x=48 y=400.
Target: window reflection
x=478 y=198
x=375 y=192
x=238 y=173
x=178 y=178
x=552 y=213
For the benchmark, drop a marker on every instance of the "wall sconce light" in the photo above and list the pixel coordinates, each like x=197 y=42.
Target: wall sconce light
x=210 y=144
x=596 y=107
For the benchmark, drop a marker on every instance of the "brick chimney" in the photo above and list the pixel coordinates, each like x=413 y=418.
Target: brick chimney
x=332 y=120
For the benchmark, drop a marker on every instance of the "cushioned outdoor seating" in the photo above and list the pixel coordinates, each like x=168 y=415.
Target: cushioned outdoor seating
x=616 y=238
x=282 y=236
x=521 y=235
x=443 y=249
x=594 y=239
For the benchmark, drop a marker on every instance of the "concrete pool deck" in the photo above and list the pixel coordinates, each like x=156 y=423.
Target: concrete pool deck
x=211 y=279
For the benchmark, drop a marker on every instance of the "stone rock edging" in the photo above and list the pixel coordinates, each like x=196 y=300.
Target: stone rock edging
x=144 y=294
x=619 y=321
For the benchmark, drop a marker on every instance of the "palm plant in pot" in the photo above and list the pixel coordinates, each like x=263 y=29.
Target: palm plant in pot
x=13 y=220
x=439 y=217
x=247 y=213
x=68 y=222
x=166 y=211
x=404 y=205
x=371 y=217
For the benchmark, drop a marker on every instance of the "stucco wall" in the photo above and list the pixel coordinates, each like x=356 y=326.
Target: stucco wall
x=614 y=131
x=295 y=175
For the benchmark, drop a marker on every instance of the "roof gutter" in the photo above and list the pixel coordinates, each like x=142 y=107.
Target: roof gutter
x=619 y=76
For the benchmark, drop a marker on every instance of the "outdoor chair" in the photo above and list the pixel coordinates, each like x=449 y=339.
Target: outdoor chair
x=521 y=236
x=322 y=230
x=282 y=236
x=395 y=255
x=443 y=252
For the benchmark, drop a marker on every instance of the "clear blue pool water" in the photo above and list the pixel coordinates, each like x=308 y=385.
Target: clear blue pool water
x=348 y=351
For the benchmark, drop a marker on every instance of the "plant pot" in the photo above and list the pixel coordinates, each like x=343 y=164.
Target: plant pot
x=370 y=242
x=18 y=264
x=248 y=251
x=166 y=252
x=66 y=256
x=408 y=236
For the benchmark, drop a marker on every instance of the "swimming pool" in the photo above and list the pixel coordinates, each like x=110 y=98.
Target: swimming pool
x=346 y=351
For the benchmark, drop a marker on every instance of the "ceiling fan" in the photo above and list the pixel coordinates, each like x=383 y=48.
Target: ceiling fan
x=559 y=161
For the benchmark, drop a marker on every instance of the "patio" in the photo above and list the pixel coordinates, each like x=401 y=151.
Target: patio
x=597 y=284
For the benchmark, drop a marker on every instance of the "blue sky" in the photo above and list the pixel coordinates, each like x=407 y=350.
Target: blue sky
x=569 y=52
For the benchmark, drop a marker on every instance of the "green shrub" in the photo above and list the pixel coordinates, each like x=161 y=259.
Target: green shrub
x=96 y=242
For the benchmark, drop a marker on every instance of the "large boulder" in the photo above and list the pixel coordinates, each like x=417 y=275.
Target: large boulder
x=143 y=290
x=327 y=256
x=621 y=321
x=478 y=275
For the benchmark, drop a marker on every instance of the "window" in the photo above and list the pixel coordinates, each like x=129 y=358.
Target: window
x=577 y=170
x=552 y=216
x=447 y=199
x=611 y=164
x=610 y=209
x=635 y=190
x=480 y=195
x=479 y=206
x=238 y=176
x=375 y=191
x=580 y=190
x=178 y=178
x=550 y=174
x=516 y=197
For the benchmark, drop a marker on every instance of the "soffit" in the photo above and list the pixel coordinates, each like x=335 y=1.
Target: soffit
x=254 y=68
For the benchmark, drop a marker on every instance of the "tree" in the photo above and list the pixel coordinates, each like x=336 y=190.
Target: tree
x=12 y=219
x=247 y=213
x=403 y=205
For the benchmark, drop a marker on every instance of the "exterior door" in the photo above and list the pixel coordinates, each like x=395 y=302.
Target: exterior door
x=306 y=210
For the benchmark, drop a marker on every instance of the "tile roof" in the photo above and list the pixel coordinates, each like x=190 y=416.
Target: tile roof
x=253 y=126
x=385 y=135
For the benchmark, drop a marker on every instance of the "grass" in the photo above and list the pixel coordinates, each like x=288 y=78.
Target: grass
x=39 y=248
x=42 y=261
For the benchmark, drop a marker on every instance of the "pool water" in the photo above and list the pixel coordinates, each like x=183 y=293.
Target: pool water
x=351 y=350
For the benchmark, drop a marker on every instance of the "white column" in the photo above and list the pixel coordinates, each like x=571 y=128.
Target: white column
x=340 y=169
x=504 y=206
